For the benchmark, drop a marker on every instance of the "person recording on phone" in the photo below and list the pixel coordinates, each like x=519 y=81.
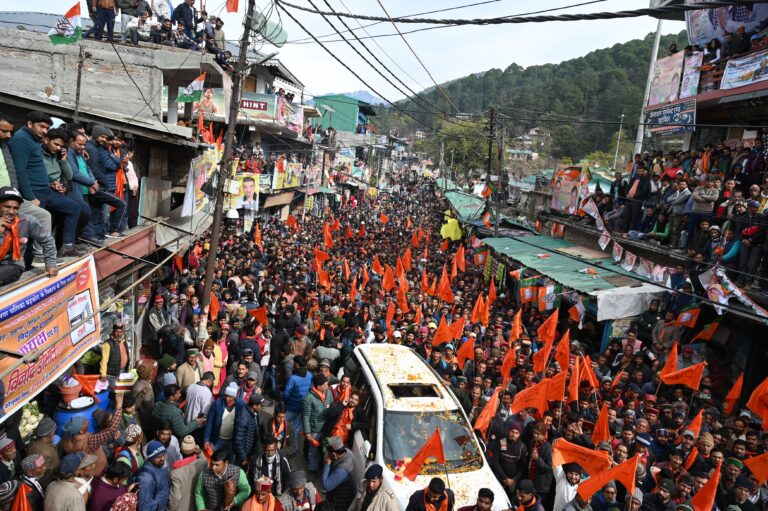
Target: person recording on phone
x=16 y=234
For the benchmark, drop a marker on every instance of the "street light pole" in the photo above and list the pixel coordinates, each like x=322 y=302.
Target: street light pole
x=224 y=167
x=618 y=141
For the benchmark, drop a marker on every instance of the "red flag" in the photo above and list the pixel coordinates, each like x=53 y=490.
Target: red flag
x=758 y=465
x=517 y=326
x=292 y=223
x=336 y=226
x=704 y=499
x=376 y=267
x=548 y=329
x=563 y=351
x=232 y=5
x=383 y=218
x=214 y=307
x=443 y=333
x=690 y=376
x=734 y=394
x=602 y=431
x=623 y=473
x=321 y=256
x=591 y=460
x=534 y=396
x=361 y=232
x=399 y=269
x=670 y=366
x=408 y=223
x=758 y=402
x=488 y=412
x=432 y=449
x=465 y=352
x=415 y=240
x=259 y=314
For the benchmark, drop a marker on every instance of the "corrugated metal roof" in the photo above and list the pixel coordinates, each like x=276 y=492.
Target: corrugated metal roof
x=467 y=206
x=445 y=183
x=558 y=267
x=39 y=21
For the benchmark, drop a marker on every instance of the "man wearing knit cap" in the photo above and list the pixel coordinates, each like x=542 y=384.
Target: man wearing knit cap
x=9 y=462
x=301 y=495
x=635 y=501
x=183 y=475
x=567 y=479
x=153 y=483
x=262 y=498
x=374 y=496
x=220 y=426
x=43 y=444
x=63 y=495
x=435 y=495
x=606 y=498
x=33 y=467
x=508 y=458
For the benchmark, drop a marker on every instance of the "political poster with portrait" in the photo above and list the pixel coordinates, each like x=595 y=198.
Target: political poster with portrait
x=246 y=201
x=288 y=177
x=565 y=189
x=665 y=83
x=691 y=74
x=707 y=24
x=746 y=70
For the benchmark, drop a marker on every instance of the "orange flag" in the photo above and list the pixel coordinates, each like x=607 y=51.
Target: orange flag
x=477 y=310
x=465 y=352
x=323 y=279
x=488 y=412
x=588 y=372
x=617 y=379
x=734 y=394
x=336 y=225
x=704 y=499
x=419 y=316
x=408 y=223
x=292 y=223
x=346 y=270
x=415 y=240
x=486 y=312
x=758 y=402
x=232 y=5
x=383 y=218
x=487 y=219
x=327 y=238
x=424 y=281
x=563 y=351
x=425 y=255
x=402 y=301
x=573 y=383
x=348 y=234
x=21 y=500
x=388 y=281
x=88 y=381
x=399 y=269
x=361 y=232
x=257 y=237
x=376 y=267
x=510 y=362
x=690 y=376
x=758 y=465
x=214 y=307
x=321 y=256
x=390 y=313
x=541 y=357
x=556 y=390
x=432 y=449
x=548 y=329
x=592 y=461
x=444 y=245
x=353 y=289
x=443 y=333
x=447 y=294
x=259 y=314
x=460 y=259
x=623 y=473
x=534 y=396
x=407 y=259
x=670 y=366
x=454 y=270
x=178 y=261
x=695 y=425
x=602 y=431
x=457 y=328
x=492 y=291
x=433 y=288
x=517 y=326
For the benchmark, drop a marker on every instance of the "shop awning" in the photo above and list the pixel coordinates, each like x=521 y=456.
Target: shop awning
x=467 y=206
x=565 y=270
x=279 y=199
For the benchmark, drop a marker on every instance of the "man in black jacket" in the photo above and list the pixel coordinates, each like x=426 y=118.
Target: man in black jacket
x=343 y=419
x=639 y=189
x=186 y=13
x=509 y=459
x=434 y=494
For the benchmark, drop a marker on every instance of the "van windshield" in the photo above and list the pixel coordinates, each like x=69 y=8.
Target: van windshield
x=406 y=432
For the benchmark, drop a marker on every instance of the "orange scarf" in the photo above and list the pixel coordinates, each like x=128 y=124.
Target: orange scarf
x=278 y=433
x=253 y=505
x=11 y=239
x=120 y=182
x=431 y=507
x=340 y=429
x=521 y=507
x=344 y=394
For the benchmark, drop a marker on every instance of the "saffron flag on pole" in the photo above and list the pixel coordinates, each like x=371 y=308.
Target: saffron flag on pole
x=707 y=332
x=602 y=431
x=690 y=376
x=432 y=449
x=758 y=465
x=670 y=366
x=487 y=413
x=704 y=499
x=563 y=351
x=534 y=396
x=194 y=91
x=259 y=314
x=623 y=473
x=758 y=402
x=688 y=317
x=594 y=462
x=734 y=394
x=548 y=328
x=67 y=29
x=232 y=5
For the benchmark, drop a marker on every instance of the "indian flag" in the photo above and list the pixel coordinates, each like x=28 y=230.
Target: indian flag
x=67 y=29
x=194 y=90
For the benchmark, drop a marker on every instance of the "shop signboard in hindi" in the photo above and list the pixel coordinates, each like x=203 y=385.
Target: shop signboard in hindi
x=565 y=192
x=745 y=71
x=58 y=316
x=672 y=119
x=665 y=83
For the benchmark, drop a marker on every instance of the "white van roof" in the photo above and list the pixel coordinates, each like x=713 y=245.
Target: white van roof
x=398 y=370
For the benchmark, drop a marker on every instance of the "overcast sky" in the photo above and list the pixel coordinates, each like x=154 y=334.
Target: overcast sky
x=448 y=53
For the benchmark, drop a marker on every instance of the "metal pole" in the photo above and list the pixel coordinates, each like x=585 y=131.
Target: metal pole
x=618 y=141
x=224 y=169
x=80 y=62
x=496 y=198
x=646 y=95
x=491 y=136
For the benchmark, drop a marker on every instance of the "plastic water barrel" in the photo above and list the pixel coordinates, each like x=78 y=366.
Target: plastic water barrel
x=103 y=400
x=80 y=408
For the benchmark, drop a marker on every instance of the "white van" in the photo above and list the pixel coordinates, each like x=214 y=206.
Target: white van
x=405 y=401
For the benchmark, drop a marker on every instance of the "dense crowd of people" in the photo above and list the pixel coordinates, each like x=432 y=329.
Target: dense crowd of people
x=240 y=404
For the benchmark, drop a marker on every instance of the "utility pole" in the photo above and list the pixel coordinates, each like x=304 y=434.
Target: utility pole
x=498 y=195
x=618 y=141
x=646 y=95
x=443 y=173
x=224 y=167
x=491 y=136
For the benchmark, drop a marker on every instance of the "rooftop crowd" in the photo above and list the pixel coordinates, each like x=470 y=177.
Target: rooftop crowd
x=239 y=404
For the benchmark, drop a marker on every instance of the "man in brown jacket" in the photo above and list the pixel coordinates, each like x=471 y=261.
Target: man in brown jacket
x=183 y=475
